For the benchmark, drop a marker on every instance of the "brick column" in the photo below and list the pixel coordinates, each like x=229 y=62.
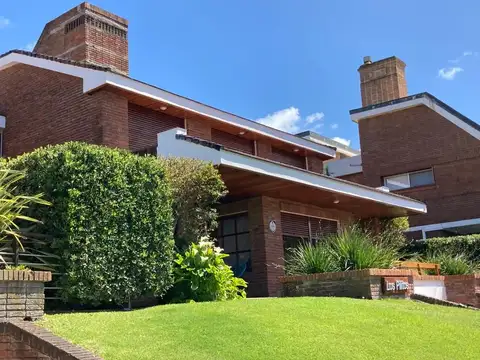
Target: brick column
x=267 y=247
x=112 y=113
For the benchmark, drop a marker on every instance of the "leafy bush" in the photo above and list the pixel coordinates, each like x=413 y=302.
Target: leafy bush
x=202 y=275
x=469 y=245
x=310 y=259
x=110 y=223
x=196 y=187
x=387 y=231
x=452 y=264
x=12 y=210
x=356 y=250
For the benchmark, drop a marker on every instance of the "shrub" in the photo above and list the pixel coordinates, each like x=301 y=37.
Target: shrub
x=387 y=231
x=452 y=264
x=469 y=245
x=202 y=275
x=110 y=223
x=310 y=259
x=355 y=249
x=196 y=187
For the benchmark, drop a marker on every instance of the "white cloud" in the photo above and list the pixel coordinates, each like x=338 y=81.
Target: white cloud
x=449 y=73
x=289 y=120
x=30 y=46
x=464 y=55
x=334 y=126
x=314 y=117
x=342 y=140
x=285 y=120
x=4 y=22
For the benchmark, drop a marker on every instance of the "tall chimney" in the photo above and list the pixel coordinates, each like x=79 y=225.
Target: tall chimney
x=88 y=34
x=382 y=80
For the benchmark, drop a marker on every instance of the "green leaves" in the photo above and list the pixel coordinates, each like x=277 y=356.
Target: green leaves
x=111 y=221
x=202 y=275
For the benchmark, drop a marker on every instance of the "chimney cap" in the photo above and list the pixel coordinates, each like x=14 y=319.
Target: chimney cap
x=367 y=60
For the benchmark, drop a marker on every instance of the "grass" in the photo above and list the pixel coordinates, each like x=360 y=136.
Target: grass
x=286 y=328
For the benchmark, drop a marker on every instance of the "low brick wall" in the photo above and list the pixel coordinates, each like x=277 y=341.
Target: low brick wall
x=368 y=284
x=22 y=294
x=464 y=289
x=22 y=340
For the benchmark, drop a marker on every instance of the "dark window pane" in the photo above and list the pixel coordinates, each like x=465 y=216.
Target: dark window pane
x=421 y=178
x=229 y=245
x=231 y=260
x=242 y=224
x=228 y=226
x=244 y=261
x=290 y=242
x=243 y=242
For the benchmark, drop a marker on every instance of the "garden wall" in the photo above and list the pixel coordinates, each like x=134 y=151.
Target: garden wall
x=463 y=289
x=368 y=284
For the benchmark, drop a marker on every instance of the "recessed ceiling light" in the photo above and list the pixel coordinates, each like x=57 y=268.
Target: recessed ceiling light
x=163 y=108
x=336 y=201
x=296 y=150
x=241 y=133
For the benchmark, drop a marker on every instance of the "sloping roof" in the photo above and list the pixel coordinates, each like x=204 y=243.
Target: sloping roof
x=327 y=141
x=424 y=95
x=57 y=59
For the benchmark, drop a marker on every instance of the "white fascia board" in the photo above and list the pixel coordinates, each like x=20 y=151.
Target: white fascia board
x=415 y=102
x=346 y=166
x=3 y=121
x=446 y=225
x=137 y=87
x=339 y=149
x=168 y=145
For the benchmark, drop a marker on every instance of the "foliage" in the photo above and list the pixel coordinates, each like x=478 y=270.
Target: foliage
x=310 y=259
x=17 y=267
x=452 y=264
x=202 y=275
x=13 y=208
x=326 y=328
x=196 y=187
x=355 y=249
x=110 y=223
x=466 y=244
x=386 y=230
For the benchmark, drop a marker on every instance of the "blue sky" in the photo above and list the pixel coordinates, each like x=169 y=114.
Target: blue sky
x=291 y=63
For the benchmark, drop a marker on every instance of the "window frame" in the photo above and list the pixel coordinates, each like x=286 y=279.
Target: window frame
x=221 y=238
x=408 y=174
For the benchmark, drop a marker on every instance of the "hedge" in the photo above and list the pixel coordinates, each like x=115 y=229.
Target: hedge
x=110 y=221
x=466 y=244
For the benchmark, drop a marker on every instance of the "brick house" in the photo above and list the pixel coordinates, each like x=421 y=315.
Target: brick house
x=75 y=86
x=416 y=146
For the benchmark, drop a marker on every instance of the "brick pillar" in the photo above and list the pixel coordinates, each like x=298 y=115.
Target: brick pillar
x=314 y=164
x=267 y=246
x=112 y=114
x=264 y=150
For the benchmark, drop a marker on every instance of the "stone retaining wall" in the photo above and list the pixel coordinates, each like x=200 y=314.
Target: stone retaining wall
x=22 y=294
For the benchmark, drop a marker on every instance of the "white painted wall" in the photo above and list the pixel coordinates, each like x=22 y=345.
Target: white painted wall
x=346 y=166
x=431 y=288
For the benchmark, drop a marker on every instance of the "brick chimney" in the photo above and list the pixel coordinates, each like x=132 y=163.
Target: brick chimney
x=382 y=80
x=89 y=34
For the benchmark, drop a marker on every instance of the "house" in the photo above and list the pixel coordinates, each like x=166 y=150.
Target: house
x=416 y=146
x=75 y=85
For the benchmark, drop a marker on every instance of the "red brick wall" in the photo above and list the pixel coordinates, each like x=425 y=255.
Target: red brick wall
x=418 y=138
x=144 y=124
x=12 y=349
x=464 y=289
x=315 y=164
x=44 y=107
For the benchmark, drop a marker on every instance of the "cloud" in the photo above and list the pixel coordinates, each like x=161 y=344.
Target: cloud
x=4 y=22
x=449 y=73
x=285 y=120
x=289 y=120
x=314 y=117
x=464 y=55
x=342 y=140
x=30 y=46
x=334 y=126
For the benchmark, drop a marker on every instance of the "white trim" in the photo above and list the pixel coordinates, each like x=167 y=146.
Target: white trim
x=416 y=102
x=339 y=149
x=94 y=79
x=446 y=225
x=168 y=145
x=3 y=121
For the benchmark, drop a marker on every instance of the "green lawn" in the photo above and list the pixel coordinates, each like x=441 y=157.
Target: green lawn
x=288 y=328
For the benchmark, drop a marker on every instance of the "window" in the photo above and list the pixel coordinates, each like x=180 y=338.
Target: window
x=409 y=180
x=234 y=238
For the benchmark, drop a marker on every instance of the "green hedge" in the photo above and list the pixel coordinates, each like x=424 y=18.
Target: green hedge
x=110 y=220
x=466 y=244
